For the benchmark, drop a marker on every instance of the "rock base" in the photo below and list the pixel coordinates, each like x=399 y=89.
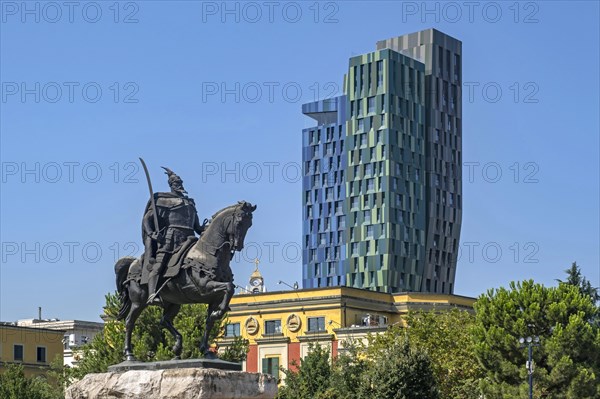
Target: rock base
x=177 y=364
x=182 y=383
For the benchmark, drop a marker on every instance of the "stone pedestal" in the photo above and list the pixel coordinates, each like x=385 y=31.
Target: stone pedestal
x=174 y=383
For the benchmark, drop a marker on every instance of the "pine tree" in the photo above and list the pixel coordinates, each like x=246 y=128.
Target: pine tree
x=567 y=360
x=574 y=277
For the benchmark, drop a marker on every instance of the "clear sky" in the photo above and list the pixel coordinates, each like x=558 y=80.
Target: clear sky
x=214 y=91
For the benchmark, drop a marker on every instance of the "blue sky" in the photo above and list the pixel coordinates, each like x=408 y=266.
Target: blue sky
x=215 y=94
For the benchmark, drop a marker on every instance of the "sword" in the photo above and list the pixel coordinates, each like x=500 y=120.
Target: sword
x=152 y=202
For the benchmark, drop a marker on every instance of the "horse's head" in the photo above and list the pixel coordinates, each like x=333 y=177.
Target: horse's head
x=242 y=220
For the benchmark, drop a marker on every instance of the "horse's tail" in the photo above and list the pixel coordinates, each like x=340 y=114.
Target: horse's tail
x=121 y=271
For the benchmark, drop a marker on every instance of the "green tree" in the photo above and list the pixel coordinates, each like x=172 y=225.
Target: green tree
x=236 y=351
x=14 y=385
x=574 y=277
x=150 y=341
x=567 y=362
x=312 y=377
x=396 y=370
x=448 y=339
x=386 y=367
x=348 y=371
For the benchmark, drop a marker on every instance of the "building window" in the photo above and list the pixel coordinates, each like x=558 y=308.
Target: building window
x=41 y=354
x=370 y=231
x=232 y=330
x=445 y=93
x=270 y=365
x=363 y=139
x=329 y=193
x=273 y=327
x=331 y=268
x=354 y=248
x=379 y=73
x=370 y=105
x=361 y=125
x=18 y=353
x=316 y=324
x=370 y=184
x=361 y=76
x=456 y=64
x=322 y=238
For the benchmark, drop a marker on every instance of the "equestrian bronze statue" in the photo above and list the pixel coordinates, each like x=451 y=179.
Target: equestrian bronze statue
x=177 y=267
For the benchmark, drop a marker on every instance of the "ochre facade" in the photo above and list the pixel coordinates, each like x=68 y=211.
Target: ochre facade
x=280 y=325
x=34 y=348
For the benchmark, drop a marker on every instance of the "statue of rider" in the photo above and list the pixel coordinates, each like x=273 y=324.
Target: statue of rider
x=177 y=219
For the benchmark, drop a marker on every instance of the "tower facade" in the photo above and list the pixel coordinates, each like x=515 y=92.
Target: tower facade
x=442 y=57
x=324 y=194
x=386 y=158
x=382 y=206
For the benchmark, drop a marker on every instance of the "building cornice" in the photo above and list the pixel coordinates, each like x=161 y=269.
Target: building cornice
x=273 y=339
x=315 y=336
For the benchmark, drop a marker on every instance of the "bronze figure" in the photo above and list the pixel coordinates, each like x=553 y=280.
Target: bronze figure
x=179 y=267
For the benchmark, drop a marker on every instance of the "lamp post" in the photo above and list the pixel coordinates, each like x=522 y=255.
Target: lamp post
x=295 y=287
x=530 y=342
x=333 y=321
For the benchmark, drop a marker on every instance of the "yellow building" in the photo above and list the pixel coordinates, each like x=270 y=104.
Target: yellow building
x=280 y=325
x=34 y=348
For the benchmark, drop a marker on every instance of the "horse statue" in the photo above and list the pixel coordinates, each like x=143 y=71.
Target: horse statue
x=203 y=277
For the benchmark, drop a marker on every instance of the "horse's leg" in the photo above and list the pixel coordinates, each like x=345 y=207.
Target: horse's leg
x=137 y=307
x=169 y=313
x=210 y=322
x=227 y=289
x=224 y=306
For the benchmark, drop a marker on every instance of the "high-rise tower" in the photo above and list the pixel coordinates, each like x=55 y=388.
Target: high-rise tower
x=442 y=57
x=382 y=177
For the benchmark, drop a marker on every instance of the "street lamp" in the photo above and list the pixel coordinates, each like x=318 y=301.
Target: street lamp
x=530 y=342
x=295 y=287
